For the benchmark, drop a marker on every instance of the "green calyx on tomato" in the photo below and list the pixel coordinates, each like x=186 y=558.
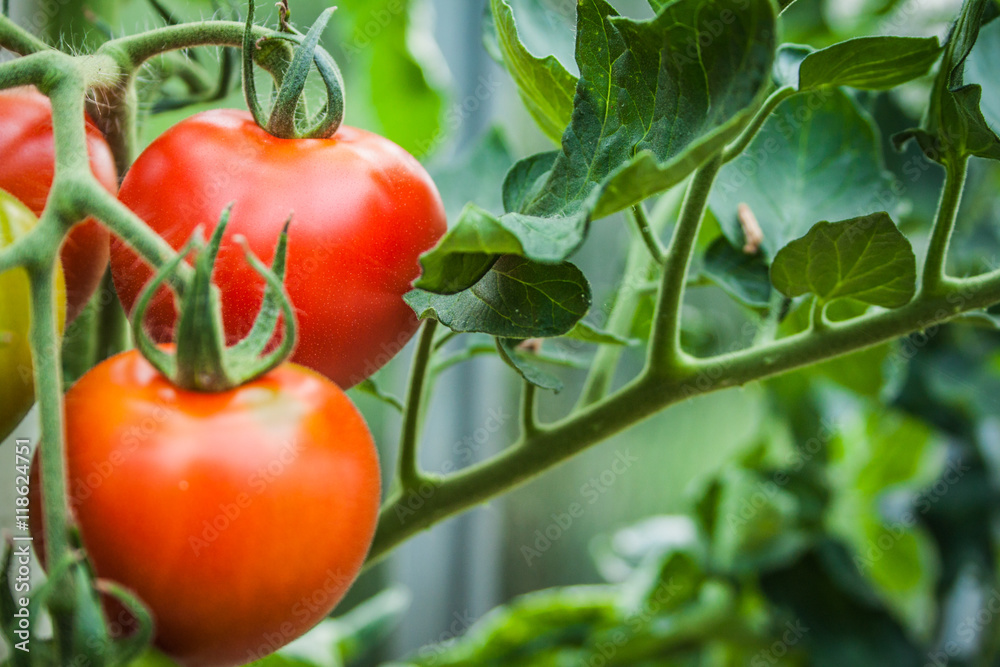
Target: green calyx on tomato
x=16 y=382
x=202 y=361
x=284 y=120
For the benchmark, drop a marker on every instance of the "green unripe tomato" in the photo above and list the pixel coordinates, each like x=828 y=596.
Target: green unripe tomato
x=16 y=382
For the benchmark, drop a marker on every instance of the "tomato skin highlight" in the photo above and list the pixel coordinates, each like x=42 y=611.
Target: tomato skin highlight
x=364 y=210
x=26 y=171
x=241 y=517
x=17 y=385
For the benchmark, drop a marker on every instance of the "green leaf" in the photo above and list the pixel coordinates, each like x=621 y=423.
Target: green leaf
x=869 y=458
x=742 y=276
x=588 y=333
x=545 y=87
x=869 y=63
x=473 y=177
x=818 y=157
x=370 y=387
x=980 y=68
x=867 y=259
x=787 y=62
x=759 y=524
x=469 y=249
x=516 y=299
x=520 y=362
x=525 y=178
x=651 y=103
x=953 y=126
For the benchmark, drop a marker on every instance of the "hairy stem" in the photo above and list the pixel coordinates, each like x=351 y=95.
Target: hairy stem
x=935 y=276
x=52 y=455
x=407 y=469
x=15 y=38
x=665 y=354
x=646 y=233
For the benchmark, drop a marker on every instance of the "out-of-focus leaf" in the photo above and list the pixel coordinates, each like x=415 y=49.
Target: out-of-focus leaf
x=545 y=87
x=744 y=277
x=401 y=62
x=980 y=68
x=869 y=458
x=816 y=158
x=473 y=177
x=868 y=63
x=953 y=126
x=533 y=629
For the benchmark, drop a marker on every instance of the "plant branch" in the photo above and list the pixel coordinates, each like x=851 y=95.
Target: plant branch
x=646 y=233
x=15 y=38
x=934 y=275
x=45 y=348
x=143 y=46
x=529 y=419
x=651 y=393
x=634 y=282
x=407 y=469
x=665 y=354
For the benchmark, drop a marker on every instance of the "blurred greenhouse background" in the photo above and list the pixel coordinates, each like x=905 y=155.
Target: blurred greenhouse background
x=417 y=71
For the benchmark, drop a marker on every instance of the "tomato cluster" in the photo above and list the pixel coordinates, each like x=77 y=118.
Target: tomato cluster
x=240 y=517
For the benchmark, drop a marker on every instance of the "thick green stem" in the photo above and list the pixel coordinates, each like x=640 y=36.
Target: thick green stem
x=665 y=353
x=651 y=393
x=407 y=468
x=935 y=276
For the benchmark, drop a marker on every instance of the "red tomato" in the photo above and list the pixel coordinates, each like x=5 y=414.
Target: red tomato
x=364 y=210
x=240 y=518
x=26 y=170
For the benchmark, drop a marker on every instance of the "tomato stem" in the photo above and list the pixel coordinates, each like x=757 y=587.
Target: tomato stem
x=289 y=108
x=408 y=471
x=202 y=361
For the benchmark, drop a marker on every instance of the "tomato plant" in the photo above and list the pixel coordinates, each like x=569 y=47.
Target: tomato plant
x=16 y=382
x=363 y=211
x=26 y=172
x=769 y=239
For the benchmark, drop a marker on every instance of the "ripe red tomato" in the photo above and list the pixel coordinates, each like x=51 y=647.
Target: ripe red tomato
x=364 y=210
x=240 y=518
x=26 y=171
